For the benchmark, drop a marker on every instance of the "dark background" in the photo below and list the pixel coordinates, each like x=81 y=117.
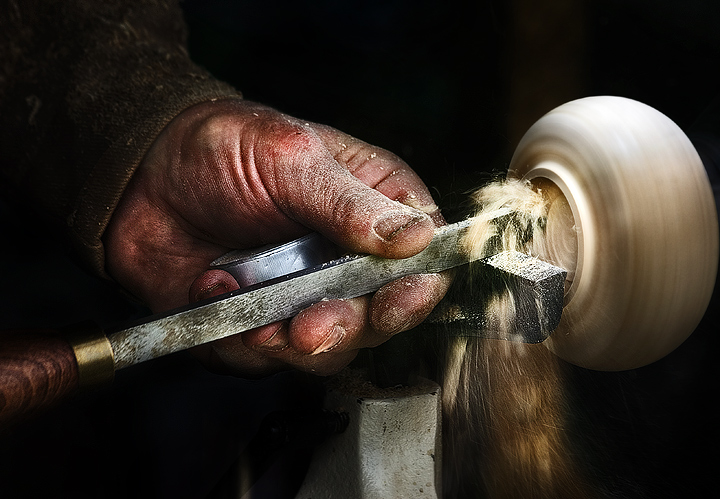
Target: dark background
x=450 y=86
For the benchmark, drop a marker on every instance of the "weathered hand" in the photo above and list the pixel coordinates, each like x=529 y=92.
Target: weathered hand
x=235 y=174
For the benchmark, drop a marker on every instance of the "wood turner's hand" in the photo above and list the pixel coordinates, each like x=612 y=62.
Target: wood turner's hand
x=234 y=175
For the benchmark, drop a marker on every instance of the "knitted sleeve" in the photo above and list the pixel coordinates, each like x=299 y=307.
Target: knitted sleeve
x=85 y=88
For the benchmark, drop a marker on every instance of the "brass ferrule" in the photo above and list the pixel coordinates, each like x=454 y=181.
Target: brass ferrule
x=94 y=356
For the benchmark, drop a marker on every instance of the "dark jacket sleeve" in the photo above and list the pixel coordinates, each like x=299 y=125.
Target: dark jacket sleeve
x=85 y=88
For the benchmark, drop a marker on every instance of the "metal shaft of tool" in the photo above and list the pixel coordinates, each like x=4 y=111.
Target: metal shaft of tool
x=284 y=297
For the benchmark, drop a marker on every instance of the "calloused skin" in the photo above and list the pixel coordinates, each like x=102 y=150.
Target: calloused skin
x=233 y=174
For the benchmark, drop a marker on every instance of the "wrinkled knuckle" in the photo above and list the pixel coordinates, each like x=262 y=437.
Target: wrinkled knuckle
x=382 y=159
x=291 y=142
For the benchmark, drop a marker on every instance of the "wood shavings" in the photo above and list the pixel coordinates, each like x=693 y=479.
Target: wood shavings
x=503 y=401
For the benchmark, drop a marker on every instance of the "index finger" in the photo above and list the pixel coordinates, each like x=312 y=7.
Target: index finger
x=380 y=169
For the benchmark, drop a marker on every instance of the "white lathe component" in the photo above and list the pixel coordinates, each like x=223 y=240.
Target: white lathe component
x=390 y=449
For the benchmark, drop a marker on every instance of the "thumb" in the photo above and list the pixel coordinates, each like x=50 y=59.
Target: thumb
x=360 y=218
x=349 y=191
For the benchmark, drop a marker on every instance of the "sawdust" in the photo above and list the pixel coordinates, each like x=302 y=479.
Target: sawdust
x=504 y=405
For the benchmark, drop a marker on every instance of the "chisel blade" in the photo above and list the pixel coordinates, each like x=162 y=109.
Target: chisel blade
x=536 y=289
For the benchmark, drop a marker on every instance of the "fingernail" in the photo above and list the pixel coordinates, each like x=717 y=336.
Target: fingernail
x=389 y=225
x=333 y=339
x=278 y=341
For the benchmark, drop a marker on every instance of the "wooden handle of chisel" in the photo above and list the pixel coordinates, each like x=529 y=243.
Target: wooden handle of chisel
x=40 y=368
x=37 y=370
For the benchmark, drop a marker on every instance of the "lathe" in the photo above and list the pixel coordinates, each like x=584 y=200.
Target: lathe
x=632 y=258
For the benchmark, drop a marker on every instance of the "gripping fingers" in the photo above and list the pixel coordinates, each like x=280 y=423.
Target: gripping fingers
x=367 y=321
x=404 y=303
x=330 y=326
